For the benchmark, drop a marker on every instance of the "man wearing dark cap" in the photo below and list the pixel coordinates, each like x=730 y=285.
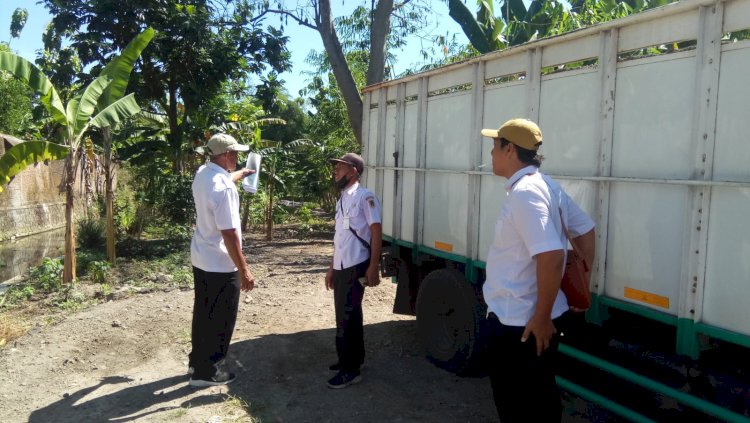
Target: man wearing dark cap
x=220 y=270
x=524 y=268
x=356 y=256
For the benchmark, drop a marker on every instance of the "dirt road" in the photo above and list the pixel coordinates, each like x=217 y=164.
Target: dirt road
x=125 y=360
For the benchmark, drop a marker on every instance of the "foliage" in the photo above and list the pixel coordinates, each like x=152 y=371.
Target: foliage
x=18 y=21
x=98 y=271
x=90 y=231
x=124 y=210
x=81 y=113
x=176 y=202
x=543 y=18
x=199 y=47
x=16 y=107
x=47 y=276
x=18 y=157
x=371 y=32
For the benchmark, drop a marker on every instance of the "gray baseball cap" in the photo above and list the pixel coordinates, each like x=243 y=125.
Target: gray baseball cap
x=221 y=143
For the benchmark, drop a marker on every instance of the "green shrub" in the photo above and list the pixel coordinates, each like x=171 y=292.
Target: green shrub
x=98 y=271
x=91 y=232
x=176 y=199
x=48 y=275
x=86 y=256
x=125 y=208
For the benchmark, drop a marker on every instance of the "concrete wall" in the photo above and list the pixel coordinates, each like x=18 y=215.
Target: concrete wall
x=34 y=201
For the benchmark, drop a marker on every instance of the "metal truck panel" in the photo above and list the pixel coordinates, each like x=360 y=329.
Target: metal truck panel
x=653 y=119
x=646 y=228
x=732 y=152
x=568 y=114
x=726 y=300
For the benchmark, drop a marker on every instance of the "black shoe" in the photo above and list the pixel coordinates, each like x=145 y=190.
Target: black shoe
x=220 y=378
x=343 y=379
x=335 y=367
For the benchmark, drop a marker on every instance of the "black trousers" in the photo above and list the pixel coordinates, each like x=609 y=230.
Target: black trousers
x=217 y=298
x=523 y=383
x=347 y=298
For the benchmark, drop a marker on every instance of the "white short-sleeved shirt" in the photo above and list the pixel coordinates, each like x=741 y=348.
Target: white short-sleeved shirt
x=362 y=208
x=528 y=224
x=217 y=206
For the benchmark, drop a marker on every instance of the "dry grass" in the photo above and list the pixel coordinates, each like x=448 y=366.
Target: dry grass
x=10 y=329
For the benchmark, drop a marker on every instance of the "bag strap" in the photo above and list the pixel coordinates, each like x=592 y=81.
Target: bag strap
x=364 y=243
x=577 y=250
x=565 y=228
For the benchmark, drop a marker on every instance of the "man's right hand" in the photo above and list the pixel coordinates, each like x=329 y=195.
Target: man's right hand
x=248 y=281
x=329 y=279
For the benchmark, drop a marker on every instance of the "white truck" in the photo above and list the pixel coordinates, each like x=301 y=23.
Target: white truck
x=646 y=124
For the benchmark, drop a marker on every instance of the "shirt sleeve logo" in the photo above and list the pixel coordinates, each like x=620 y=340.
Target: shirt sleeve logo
x=371 y=202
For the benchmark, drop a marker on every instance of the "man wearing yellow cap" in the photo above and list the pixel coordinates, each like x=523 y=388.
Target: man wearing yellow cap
x=524 y=268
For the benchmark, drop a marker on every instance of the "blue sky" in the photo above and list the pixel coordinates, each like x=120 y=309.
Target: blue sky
x=301 y=39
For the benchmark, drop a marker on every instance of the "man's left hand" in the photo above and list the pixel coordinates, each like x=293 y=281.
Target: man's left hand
x=372 y=275
x=543 y=329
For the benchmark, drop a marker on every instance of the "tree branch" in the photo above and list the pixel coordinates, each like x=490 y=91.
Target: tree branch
x=299 y=20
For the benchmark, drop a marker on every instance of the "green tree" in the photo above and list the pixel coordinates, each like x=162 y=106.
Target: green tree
x=17 y=22
x=382 y=26
x=75 y=119
x=15 y=105
x=200 y=45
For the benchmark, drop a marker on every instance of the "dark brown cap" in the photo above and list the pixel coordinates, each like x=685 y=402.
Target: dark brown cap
x=352 y=159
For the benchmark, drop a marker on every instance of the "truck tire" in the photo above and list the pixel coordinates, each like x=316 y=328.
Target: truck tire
x=450 y=322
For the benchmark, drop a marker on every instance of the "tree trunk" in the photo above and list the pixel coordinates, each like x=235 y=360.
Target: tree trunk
x=269 y=211
x=174 y=136
x=69 y=267
x=340 y=68
x=246 y=211
x=379 y=28
x=109 y=197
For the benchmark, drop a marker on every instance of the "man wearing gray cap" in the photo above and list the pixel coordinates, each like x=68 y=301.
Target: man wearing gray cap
x=356 y=256
x=220 y=270
x=524 y=267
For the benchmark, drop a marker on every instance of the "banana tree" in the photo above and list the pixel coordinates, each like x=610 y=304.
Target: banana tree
x=515 y=25
x=75 y=119
x=119 y=70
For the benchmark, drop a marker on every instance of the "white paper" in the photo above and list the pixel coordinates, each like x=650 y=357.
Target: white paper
x=250 y=183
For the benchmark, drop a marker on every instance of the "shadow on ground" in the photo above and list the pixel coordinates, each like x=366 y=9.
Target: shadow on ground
x=282 y=378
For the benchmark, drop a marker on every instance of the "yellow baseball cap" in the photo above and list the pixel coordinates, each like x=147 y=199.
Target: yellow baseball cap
x=521 y=132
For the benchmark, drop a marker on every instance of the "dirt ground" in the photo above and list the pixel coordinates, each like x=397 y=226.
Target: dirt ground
x=126 y=360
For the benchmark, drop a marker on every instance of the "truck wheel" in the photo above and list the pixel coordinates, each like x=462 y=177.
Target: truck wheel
x=450 y=319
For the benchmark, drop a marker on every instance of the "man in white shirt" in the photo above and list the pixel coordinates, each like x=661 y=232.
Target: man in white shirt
x=356 y=256
x=524 y=268
x=220 y=270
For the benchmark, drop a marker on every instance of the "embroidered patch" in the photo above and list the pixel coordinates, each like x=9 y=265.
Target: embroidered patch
x=371 y=202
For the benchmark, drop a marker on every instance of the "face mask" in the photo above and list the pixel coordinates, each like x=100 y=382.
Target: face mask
x=342 y=183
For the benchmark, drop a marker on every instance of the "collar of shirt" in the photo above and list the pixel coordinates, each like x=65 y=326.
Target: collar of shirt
x=528 y=170
x=217 y=168
x=352 y=188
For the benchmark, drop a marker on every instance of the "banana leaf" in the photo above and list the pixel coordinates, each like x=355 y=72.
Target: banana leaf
x=119 y=68
x=87 y=102
x=465 y=18
x=37 y=81
x=21 y=155
x=116 y=112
